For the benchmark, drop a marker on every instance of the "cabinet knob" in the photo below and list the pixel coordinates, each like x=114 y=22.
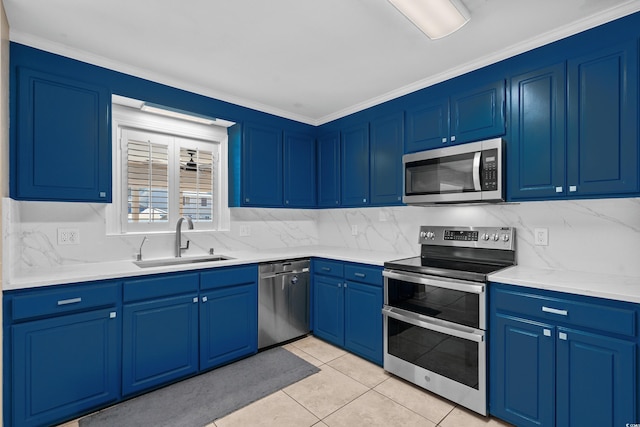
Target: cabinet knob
x=444 y=140
x=562 y=336
x=453 y=138
x=103 y=194
x=195 y=299
x=112 y=315
x=204 y=299
x=558 y=189
x=546 y=332
x=573 y=188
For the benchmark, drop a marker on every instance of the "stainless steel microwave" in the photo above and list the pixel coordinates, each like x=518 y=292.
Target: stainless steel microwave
x=463 y=173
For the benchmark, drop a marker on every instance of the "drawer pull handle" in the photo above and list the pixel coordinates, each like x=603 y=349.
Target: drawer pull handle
x=555 y=311
x=360 y=275
x=326 y=269
x=69 y=301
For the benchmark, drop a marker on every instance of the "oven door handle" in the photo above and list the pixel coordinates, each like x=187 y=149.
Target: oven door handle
x=436 y=325
x=421 y=279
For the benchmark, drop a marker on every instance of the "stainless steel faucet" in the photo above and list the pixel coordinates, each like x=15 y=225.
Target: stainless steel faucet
x=179 y=247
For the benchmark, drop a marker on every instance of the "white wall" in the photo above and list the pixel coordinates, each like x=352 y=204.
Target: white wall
x=600 y=236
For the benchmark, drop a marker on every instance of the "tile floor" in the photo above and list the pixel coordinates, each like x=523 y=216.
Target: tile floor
x=348 y=391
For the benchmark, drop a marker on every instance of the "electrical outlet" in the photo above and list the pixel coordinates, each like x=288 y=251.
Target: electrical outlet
x=541 y=236
x=68 y=236
x=354 y=230
x=245 y=230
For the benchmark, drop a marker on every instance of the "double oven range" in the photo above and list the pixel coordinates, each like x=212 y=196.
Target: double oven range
x=434 y=311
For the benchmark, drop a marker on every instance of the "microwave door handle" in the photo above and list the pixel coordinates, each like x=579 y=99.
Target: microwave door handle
x=476 y=171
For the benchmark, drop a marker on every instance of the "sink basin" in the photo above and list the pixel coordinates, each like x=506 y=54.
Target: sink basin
x=179 y=261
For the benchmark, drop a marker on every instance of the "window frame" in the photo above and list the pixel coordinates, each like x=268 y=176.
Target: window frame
x=125 y=118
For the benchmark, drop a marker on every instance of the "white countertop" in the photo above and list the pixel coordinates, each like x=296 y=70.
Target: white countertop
x=611 y=286
x=117 y=269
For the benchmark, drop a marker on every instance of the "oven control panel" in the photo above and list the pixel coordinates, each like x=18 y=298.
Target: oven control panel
x=472 y=237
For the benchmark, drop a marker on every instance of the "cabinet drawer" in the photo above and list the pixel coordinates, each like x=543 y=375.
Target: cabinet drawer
x=607 y=318
x=328 y=268
x=64 y=300
x=160 y=286
x=228 y=276
x=360 y=273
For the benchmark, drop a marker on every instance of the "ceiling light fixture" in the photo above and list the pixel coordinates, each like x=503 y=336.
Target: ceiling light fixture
x=435 y=18
x=165 y=111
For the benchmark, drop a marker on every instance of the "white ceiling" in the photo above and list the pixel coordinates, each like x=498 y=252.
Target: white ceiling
x=308 y=60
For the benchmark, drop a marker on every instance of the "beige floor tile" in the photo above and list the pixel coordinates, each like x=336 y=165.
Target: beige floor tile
x=418 y=400
x=320 y=424
x=74 y=423
x=373 y=409
x=359 y=369
x=303 y=355
x=325 y=392
x=275 y=410
x=319 y=349
x=463 y=417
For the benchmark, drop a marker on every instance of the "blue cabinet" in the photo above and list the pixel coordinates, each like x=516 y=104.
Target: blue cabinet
x=62 y=352
x=228 y=315
x=522 y=381
x=299 y=170
x=278 y=168
x=348 y=303
x=559 y=359
x=160 y=334
x=355 y=165
x=61 y=145
x=386 y=139
x=536 y=155
x=592 y=149
x=602 y=127
x=262 y=155
x=463 y=117
x=328 y=162
x=595 y=379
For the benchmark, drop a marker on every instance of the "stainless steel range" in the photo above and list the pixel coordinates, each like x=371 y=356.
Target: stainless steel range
x=435 y=310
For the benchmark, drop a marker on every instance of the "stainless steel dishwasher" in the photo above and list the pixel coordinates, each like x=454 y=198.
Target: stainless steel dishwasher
x=283 y=301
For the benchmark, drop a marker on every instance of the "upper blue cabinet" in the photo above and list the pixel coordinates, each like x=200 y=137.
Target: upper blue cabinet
x=278 y=168
x=593 y=149
x=464 y=117
x=355 y=165
x=602 y=126
x=328 y=161
x=61 y=145
x=385 y=147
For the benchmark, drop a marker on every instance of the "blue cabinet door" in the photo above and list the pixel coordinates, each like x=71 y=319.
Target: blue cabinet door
x=536 y=155
x=363 y=320
x=387 y=138
x=262 y=182
x=427 y=126
x=329 y=170
x=160 y=342
x=602 y=138
x=328 y=313
x=61 y=149
x=64 y=367
x=228 y=324
x=355 y=165
x=478 y=114
x=522 y=371
x=299 y=170
x=596 y=380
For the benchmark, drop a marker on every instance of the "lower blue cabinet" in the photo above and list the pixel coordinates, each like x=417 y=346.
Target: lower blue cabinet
x=160 y=342
x=228 y=315
x=160 y=333
x=561 y=360
x=64 y=366
x=348 y=301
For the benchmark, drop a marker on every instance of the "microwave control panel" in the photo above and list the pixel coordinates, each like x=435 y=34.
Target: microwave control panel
x=489 y=172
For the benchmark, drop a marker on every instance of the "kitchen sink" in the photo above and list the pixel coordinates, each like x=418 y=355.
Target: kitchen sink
x=179 y=261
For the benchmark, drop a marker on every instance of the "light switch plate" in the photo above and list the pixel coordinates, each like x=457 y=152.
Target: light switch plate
x=245 y=230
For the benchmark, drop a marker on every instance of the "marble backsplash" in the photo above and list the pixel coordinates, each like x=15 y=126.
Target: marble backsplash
x=600 y=236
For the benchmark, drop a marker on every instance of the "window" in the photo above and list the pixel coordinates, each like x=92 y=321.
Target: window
x=167 y=168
